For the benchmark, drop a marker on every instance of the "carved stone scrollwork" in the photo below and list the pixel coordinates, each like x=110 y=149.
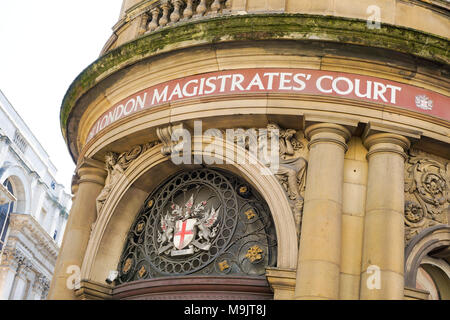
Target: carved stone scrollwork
x=165 y=135
x=427 y=196
x=42 y=284
x=16 y=259
x=116 y=164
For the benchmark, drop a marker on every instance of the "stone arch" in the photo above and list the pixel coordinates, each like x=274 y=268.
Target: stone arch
x=119 y=211
x=21 y=187
x=423 y=249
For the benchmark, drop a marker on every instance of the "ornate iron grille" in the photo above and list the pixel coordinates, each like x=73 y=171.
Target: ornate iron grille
x=203 y=222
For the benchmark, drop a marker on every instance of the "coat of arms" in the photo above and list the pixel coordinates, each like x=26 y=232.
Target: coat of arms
x=424 y=103
x=187 y=230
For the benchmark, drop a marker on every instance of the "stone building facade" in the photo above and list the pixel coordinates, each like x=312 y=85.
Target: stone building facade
x=32 y=224
x=273 y=149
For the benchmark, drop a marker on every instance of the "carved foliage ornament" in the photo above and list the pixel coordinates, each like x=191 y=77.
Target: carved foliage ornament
x=427 y=195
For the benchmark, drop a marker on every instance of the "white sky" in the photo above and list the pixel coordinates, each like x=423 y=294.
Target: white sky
x=44 y=45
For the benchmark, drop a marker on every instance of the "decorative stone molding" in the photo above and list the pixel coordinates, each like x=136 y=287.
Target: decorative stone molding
x=16 y=259
x=427 y=192
x=42 y=285
x=116 y=165
x=282 y=282
x=90 y=290
x=42 y=240
x=165 y=136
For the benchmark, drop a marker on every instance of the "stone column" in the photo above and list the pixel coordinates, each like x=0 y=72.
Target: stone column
x=383 y=248
x=320 y=241
x=83 y=214
x=20 y=285
x=8 y=271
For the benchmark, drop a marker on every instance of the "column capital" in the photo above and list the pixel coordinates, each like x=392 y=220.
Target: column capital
x=387 y=142
x=326 y=133
x=90 y=170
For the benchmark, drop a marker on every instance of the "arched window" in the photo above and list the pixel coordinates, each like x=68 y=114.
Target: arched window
x=204 y=224
x=427 y=262
x=5 y=211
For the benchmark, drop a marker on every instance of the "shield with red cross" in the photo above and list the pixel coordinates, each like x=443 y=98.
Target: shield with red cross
x=184 y=233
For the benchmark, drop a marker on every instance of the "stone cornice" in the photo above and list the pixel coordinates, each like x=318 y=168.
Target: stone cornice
x=299 y=27
x=41 y=237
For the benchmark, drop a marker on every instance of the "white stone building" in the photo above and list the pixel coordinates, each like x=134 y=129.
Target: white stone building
x=32 y=227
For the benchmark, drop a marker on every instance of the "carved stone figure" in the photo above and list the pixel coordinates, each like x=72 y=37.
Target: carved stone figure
x=116 y=166
x=115 y=171
x=292 y=168
x=427 y=196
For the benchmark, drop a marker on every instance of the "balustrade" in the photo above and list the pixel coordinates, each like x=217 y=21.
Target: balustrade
x=169 y=12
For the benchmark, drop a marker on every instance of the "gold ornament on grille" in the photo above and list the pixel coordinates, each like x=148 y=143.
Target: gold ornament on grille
x=142 y=271
x=127 y=265
x=140 y=227
x=254 y=253
x=224 y=265
x=250 y=214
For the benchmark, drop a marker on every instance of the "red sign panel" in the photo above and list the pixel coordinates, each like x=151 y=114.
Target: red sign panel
x=292 y=81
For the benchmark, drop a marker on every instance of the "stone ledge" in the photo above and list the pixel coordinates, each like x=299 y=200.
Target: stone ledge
x=90 y=290
x=416 y=294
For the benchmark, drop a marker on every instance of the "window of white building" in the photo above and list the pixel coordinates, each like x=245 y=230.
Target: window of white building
x=5 y=211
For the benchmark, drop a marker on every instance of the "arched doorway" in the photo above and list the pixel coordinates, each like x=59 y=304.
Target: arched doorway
x=427 y=262
x=202 y=234
x=125 y=200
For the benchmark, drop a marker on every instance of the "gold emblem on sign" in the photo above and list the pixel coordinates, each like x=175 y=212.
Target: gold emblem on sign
x=250 y=214
x=127 y=265
x=140 y=227
x=254 y=253
x=142 y=272
x=224 y=265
